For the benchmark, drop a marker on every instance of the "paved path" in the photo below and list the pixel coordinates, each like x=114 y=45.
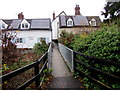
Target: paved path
x=62 y=76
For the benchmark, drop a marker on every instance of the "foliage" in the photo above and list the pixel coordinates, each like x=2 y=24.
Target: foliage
x=40 y=49
x=104 y=44
x=8 y=48
x=66 y=38
x=112 y=9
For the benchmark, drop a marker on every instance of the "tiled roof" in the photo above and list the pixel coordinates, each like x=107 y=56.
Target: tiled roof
x=38 y=24
x=98 y=21
x=62 y=20
x=15 y=24
x=78 y=20
x=8 y=21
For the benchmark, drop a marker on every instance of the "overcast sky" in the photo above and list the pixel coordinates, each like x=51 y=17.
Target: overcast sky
x=44 y=8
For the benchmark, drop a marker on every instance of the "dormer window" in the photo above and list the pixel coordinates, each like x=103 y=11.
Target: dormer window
x=93 y=22
x=3 y=26
x=69 y=22
x=25 y=24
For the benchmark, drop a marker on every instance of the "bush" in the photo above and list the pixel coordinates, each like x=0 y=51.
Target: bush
x=104 y=44
x=40 y=49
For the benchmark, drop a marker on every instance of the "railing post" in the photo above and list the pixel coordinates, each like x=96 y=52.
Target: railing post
x=74 y=62
x=37 y=81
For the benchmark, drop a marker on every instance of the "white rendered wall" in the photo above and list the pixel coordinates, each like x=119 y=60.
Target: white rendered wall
x=55 y=28
x=32 y=34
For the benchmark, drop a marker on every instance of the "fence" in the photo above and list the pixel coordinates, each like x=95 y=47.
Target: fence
x=50 y=56
x=38 y=72
x=89 y=66
x=67 y=55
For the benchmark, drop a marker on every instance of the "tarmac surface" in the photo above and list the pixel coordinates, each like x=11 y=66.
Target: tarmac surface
x=62 y=76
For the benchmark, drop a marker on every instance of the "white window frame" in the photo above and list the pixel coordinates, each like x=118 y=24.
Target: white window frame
x=20 y=40
x=93 y=22
x=23 y=25
x=69 y=22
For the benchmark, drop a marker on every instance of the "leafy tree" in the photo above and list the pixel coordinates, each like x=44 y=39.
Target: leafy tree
x=8 y=47
x=112 y=9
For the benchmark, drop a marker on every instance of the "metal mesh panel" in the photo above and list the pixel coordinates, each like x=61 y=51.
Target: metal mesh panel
x=67 y=55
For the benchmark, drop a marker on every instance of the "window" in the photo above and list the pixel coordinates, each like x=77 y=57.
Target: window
x=30 y=38
x=93 y=22
x=70 y=22
x=40 y=39
x=3 y=25
x=20 y=40
x=24 y=25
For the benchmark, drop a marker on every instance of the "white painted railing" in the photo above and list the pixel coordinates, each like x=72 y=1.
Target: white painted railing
x=67 y=54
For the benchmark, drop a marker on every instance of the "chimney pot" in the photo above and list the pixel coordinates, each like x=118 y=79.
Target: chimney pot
x=20 y=15
x=53 y=15
x=77 y=10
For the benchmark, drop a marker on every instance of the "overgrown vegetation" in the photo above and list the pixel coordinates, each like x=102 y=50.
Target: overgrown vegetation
x=39 y=49
x=14 y=58
x=104 y=44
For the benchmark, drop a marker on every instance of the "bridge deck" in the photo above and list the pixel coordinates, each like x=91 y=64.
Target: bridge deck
x=62 y=76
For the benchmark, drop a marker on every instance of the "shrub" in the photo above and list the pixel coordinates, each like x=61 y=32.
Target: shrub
x=40 y=49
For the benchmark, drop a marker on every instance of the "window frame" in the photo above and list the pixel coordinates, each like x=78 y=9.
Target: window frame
x=93 y=22
x=20 y=40
x=69 y=22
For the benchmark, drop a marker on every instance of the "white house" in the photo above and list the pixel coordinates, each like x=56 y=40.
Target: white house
x=29 y=31
x=55 y=25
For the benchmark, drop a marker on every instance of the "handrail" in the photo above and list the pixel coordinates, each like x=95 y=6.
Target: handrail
x=21 y=70
x=27 y=83
x=106 y=74
x=99 y=71
x=99 y=60
x=37 y=72
x=92 y=69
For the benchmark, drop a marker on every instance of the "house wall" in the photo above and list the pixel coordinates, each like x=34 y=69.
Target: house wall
x=55 y=27
x=31 y=37
x=78 y=30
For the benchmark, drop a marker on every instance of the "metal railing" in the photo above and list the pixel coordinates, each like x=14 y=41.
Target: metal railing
x=73 y=59
x=38 y=72
x=67 y=54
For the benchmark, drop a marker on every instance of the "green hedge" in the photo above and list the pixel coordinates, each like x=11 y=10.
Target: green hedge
x=104 y=44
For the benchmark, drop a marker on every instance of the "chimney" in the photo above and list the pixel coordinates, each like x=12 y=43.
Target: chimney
x=77 y=10
x=53 y=15
x=20 y=15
